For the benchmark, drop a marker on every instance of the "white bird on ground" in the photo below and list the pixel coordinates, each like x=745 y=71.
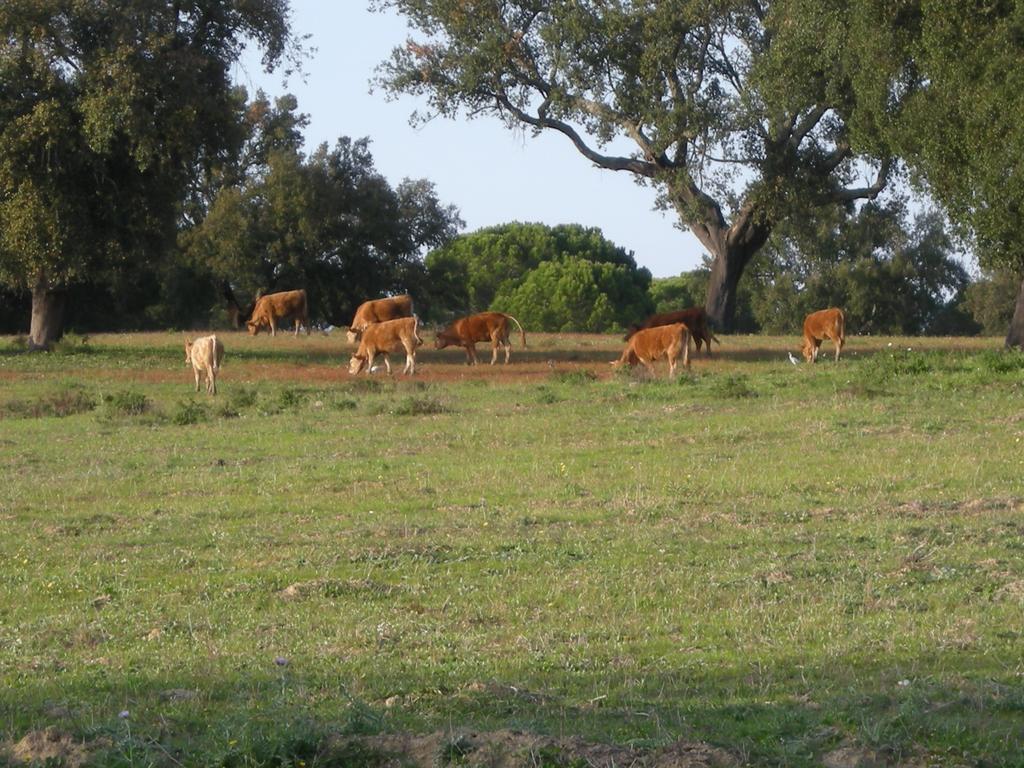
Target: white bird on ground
x=792 y=359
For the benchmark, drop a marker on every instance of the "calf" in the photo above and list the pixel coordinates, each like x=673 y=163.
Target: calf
x=467 y=331
x=378 y=311
x=821 y=325
x=649 y=344
x=278 y=306
x=382 y=338
x=204 y=355
x=693 y=318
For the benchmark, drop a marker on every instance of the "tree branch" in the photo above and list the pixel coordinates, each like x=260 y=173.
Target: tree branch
x=870 y=192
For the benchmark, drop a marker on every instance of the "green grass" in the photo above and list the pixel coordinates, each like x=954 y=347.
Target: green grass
x=776 y=560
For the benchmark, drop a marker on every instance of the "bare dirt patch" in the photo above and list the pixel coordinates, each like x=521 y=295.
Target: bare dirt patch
x=515 y=749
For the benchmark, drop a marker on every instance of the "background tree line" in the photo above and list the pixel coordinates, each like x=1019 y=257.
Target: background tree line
x=139 y=186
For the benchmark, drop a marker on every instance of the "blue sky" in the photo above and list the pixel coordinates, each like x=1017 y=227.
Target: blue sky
x=491 y=174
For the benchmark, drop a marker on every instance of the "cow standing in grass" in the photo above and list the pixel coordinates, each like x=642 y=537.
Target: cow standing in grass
x=650 y=344
x=694 y=318
x=386 y=337
x=205 y=355
x=378 y=311
x=821 y=325
x=485 y=326
x=274 y=307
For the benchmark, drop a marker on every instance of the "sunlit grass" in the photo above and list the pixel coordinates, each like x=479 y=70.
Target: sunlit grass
x=779 y=560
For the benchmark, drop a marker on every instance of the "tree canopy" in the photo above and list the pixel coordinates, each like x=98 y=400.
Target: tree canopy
x=512 y=266
x=737 y=111
x=108 y=112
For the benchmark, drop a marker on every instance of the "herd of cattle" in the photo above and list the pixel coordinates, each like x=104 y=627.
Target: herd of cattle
x=383 y=326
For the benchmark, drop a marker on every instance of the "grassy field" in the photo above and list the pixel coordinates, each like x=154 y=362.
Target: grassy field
x=791 y=564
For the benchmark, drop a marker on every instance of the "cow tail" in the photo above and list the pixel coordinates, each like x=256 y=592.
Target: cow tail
x=522 y=333
x=416 y=331
x=214 y=363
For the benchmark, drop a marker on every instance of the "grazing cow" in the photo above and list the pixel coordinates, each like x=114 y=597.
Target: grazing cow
x=273 y=307
x=377 y=311
x=693 y=318
x=485 y=326
x=649 y=344
x=205 y=355
x=382 y=338
x=821 y=325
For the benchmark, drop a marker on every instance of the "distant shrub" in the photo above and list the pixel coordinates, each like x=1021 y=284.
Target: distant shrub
x=71 y=343
x=1002 y=360
x=190 y=412
x=578 y=376
x=292 y=398
x=126 y=403
x=343 y=404
x=65 y=402
x=242 y=398
x=413 y=406
x=897 y=363
x=732 y=387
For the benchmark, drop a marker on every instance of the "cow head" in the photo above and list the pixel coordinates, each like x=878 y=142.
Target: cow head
x=254 y=326
x=357 y=364
x=445 y=339
x=188 y=351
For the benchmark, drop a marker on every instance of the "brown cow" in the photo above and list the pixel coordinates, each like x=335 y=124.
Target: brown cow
x=649 y=344
x=382 y=338
x=821 y=325
x=277 y=306
x=485 y=326
x=377 y=311
x=693 y=318
x=205 y=355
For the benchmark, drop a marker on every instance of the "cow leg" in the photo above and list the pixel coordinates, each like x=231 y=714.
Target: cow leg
x=839 y=347
x=471 y=353
x=213 y=381
x=494 y=350
x=196 y=372
x=387 y=362
x=273 y=327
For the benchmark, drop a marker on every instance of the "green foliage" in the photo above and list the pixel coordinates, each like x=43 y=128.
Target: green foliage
x=108 y=111
x=329 y=223
x=890 y=276
x=190 y=411
x=990 y=298
x=574 y=294
x=475 y=268
x=126 y=402
x=737 y=112
x=67 y=401
x=670 y=294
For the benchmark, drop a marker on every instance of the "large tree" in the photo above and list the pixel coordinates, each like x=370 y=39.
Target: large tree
x=329 y=222
x=958 y=123
x=108 y=112
x=735 y=110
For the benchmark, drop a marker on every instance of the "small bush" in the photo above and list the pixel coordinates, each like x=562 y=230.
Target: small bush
x=292 y=398
x=72 y=343
x=413 y=406
x=1002 y=360
x=190 y=412
x=343 y=404
x=65 y=402
x=241 y=398
x=578 y=376
x=732 y=387
x=126 y=403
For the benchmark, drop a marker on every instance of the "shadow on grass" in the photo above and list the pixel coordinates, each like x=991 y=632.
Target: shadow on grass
x=793 y=716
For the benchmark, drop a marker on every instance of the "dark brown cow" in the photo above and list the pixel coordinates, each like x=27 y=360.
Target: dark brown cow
x=485 y=326
x=693 y=318
x=377 y=311
x=649 y=344
x=823 y=324
x=382 y=338
x=278 y=306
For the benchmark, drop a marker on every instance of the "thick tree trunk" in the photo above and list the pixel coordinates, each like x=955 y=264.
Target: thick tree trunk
x=1015 y=336
x=47 y=314
x=720 y=305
